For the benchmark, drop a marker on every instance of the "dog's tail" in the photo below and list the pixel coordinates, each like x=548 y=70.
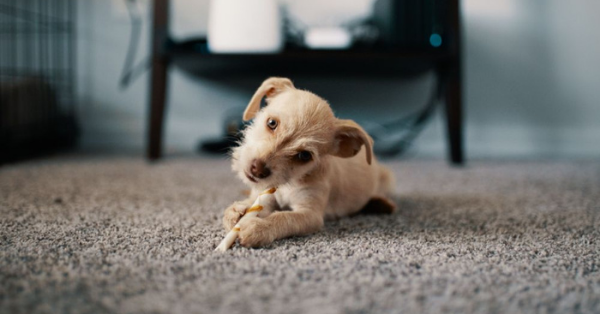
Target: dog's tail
x=387 y=182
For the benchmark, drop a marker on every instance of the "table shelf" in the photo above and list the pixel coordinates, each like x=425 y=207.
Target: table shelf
x=193 y=56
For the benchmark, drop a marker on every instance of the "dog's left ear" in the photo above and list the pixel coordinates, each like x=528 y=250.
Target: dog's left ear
x=349 y=138
x=270 y=88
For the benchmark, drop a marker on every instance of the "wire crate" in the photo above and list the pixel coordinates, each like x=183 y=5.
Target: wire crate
x=37 y=72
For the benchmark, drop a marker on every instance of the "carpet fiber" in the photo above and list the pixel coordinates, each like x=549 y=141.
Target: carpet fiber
x=95 y=235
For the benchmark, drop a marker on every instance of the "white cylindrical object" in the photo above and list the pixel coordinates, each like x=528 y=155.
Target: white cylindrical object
x=251 y=212
x=328 y=38
x=244 y=26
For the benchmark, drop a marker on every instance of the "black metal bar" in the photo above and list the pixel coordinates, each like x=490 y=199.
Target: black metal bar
x=72 y=51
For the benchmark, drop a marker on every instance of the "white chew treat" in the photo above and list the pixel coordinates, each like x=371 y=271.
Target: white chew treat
x=253 y=211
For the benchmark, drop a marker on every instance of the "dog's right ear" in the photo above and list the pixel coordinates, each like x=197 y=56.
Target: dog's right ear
x=349 y=138
x=269 y=88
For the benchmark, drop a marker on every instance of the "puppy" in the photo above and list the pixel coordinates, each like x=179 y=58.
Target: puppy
x=323 y=167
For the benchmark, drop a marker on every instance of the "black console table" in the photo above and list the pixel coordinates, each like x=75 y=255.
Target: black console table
x=194 y=57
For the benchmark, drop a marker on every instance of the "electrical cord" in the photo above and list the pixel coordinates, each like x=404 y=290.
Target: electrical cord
x=131 y=72
x=413 y=124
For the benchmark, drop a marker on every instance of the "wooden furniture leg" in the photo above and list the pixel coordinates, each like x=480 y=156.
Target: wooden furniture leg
x=454 y=119
x=158 y=78
x=453 y=89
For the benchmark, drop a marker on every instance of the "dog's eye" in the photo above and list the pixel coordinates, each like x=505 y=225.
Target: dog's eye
x=272 y=123
x=304 y=156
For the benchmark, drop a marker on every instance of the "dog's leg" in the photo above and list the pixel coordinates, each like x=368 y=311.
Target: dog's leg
x=260 y=232
x=234 y=212
x=378 y=205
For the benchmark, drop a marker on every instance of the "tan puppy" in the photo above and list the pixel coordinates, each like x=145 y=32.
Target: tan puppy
x=322 y=166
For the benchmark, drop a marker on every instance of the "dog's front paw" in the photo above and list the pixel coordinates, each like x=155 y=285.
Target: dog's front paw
x=255 y=232
x=233 y=214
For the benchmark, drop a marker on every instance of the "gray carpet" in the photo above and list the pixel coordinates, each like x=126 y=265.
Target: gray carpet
x=118 y=235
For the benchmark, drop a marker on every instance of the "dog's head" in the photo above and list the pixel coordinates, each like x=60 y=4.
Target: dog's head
x=290 y=137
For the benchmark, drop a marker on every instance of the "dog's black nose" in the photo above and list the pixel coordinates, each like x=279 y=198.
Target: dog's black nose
x=259 y=169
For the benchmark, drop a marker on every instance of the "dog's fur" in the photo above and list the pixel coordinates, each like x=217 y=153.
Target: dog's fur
x=341 y=177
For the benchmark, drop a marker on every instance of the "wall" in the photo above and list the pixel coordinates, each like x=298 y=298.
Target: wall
x=530 y=73
x=532 y=78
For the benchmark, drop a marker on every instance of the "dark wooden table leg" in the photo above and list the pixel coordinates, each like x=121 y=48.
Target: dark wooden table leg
x=158 y=78
x=454 y=114
x=453 y=88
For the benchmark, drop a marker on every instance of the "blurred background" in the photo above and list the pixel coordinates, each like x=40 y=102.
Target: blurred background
x=530 y=78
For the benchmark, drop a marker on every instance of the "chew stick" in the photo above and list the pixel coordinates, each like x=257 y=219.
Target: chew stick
x=250 y=212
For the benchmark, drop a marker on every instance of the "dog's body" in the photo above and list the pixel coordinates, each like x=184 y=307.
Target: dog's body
x=322 y=166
